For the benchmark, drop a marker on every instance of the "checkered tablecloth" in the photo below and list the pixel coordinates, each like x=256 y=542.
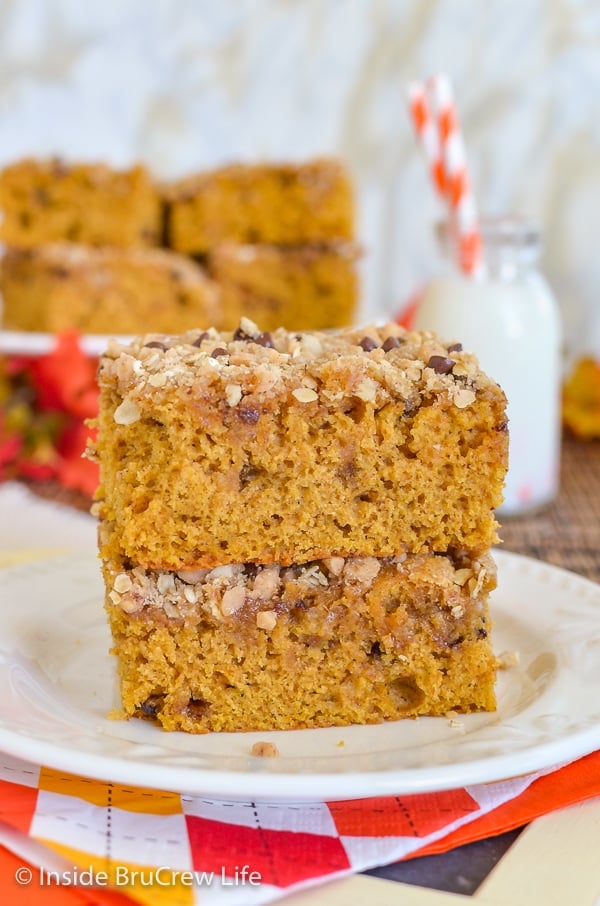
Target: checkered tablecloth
x=161 y=847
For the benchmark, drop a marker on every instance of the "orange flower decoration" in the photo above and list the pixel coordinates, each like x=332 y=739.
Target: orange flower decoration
x=581 y=399
x=45 y=403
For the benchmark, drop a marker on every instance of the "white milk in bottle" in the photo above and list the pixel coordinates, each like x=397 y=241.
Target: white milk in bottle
x=509 y=318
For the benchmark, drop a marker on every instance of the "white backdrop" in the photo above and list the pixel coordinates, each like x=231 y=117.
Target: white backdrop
x=184 y=84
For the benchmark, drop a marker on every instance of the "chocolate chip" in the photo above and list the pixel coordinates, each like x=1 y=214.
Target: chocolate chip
x=441 y=364
x=247 y=473
x=61 y=273
x=375 y=650
x=242 y=335
x=368 y=343
x=219 y=351
x=152 y=706
x=456 y=347
x=41 y=196
x=248 y=414
x=155 y=344
x=200 y=338
x=391 y=343
x=264 y=339
x=196 y=708
x=348 y=471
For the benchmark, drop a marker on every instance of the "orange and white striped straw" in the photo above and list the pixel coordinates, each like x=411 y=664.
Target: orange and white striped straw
x=456 y=173
x=435 y=119
x=427 y=133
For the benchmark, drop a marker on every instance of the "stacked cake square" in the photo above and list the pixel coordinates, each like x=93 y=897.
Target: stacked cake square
x=295 y=528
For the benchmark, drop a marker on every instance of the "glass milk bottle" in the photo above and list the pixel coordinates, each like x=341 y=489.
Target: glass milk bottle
x=509 y=318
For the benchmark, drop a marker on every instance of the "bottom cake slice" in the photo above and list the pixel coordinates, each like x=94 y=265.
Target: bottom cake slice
x=329 y=643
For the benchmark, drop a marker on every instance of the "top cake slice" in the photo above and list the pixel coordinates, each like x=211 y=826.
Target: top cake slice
x=50 y=200
x=280 y=204
x=280 y=447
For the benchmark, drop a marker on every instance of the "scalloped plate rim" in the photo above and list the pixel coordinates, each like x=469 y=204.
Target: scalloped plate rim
x=268 y=779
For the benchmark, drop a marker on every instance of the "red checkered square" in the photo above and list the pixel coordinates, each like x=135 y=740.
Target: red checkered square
x=401 y=816
x=280 y=857
x=17 y=804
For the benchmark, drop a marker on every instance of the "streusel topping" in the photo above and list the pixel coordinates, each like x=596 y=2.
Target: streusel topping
x=373 y=364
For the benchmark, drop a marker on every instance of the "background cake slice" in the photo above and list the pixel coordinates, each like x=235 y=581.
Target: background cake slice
x=51 y=200
x=279 y=204
x=305 y=287
x=109 y=290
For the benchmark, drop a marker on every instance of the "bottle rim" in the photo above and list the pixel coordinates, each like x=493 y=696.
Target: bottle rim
x=503 y=230
x=512 y=230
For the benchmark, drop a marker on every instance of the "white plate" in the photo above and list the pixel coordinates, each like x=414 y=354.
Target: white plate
x=30 y=343
x=57 y=684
